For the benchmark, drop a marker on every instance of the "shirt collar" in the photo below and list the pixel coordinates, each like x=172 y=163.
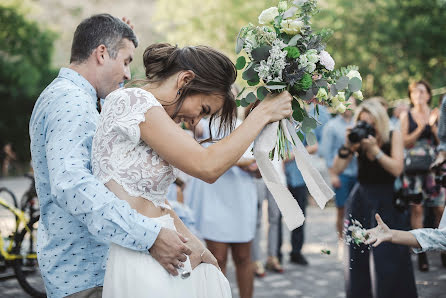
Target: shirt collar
x=78 y=80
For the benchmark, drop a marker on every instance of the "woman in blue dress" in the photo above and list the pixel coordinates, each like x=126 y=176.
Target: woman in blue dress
x=225 y=214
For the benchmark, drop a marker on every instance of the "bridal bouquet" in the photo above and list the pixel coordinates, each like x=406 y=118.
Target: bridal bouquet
x=283 y=53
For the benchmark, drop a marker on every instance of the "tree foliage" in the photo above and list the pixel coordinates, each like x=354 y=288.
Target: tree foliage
x=392 y=41
x=25 y=59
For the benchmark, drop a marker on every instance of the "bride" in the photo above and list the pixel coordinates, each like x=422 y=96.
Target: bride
x=137 y=150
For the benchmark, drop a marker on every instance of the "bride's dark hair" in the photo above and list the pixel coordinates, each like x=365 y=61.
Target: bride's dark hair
x=214 y=74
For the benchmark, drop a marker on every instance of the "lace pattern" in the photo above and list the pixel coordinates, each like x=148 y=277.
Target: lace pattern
x=118 y=152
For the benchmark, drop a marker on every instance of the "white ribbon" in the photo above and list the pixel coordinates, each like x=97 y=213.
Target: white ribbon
x=319 y=190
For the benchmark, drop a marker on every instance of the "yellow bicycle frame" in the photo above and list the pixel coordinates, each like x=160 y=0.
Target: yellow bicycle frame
x=20 y=218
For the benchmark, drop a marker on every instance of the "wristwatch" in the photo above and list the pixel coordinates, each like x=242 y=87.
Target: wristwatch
x=344 y=152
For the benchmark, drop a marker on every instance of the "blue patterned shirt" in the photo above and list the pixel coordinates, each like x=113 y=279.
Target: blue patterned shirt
x=79 y=216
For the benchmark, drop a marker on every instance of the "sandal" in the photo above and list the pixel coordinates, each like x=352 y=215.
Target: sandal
x=259 y=270
x=273 y=264
x=423 y=264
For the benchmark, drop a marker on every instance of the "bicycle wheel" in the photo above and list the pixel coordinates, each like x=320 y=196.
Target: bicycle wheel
x=26 y=268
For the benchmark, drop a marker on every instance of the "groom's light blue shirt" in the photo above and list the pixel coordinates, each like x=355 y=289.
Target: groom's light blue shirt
x=79 y=216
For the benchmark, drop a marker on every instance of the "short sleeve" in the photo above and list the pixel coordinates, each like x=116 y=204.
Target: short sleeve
x=124 y=110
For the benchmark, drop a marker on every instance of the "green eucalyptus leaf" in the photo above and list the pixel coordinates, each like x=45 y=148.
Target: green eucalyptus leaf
x=298 y=116
x=261 y=53
x=354 y=84
x=322 y=83
x=293 y=41
x=311 y=138
x=237 y=102
x=333 y=90
x=250 y=98
x=253 y=82
x=244 y=103
x=290 y=12
x=240 y=63
x=306 y=95
x=250 y=73
x=301 y=136
x=342 y=83
x=309 y=122
x=239 y=43
x=262 y=92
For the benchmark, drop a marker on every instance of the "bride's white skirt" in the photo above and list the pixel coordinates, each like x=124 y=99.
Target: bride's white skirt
x=136 y=274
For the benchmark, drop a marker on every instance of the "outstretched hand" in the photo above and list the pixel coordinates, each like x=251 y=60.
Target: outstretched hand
x=170 y=250
x=128 y=22
x=381 y=233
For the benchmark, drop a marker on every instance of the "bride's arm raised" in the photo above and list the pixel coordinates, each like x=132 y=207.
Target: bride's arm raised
x=175 y=146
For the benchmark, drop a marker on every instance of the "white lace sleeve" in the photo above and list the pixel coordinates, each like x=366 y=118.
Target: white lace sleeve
x=124 y=110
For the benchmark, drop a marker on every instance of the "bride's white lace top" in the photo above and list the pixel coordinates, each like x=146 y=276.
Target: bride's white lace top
x=119 y=154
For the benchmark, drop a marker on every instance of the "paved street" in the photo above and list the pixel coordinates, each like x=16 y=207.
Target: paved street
x=323 y=278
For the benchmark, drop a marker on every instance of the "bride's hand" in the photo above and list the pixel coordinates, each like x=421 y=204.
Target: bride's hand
x=209 y=258
x=276 y=107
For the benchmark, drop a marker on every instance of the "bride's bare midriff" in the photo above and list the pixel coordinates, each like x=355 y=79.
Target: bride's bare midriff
x=141 y=205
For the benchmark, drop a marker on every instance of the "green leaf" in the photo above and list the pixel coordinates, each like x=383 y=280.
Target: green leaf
x=237 y=102
x=311 y=138
x=249 y=73
x=262 y=92
x=290 y=12
x=250 y=98
x=342 y=83
x=309 y=122
x=261 y=53
x=298 y=116
x=354 y=84
x=293 y=41
x=254 y=82
x=301 y=136
x=244 y=103
x=239 y=43
x=275 y=87
x=333 y=90
x=240 y=63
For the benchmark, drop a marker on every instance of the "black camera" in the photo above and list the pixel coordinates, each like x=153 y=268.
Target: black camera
x=361 y=130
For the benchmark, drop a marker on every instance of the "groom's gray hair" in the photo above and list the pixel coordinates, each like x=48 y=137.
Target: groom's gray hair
x=96 y=30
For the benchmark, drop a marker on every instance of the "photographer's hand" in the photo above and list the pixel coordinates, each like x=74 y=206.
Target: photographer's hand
x=370 y=145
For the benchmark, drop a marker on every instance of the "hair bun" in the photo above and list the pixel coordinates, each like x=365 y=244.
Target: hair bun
x=158 y=57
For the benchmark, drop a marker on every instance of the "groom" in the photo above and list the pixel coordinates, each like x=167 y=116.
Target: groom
x=79 y=216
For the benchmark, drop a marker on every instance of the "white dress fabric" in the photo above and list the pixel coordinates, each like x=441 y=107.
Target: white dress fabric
x=119 y=154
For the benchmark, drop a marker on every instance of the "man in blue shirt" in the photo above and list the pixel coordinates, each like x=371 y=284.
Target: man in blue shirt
x=333 y=138
x=79 y=216
x=298 y=189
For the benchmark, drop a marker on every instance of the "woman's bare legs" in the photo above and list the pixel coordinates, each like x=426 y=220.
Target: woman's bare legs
x=220 y=252
x=241 y=254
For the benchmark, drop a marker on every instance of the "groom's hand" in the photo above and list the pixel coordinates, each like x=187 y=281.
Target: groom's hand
x=169 y=250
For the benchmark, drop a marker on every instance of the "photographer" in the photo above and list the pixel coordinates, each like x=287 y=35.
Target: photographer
x=380 y=159
x=419 y=130
x=421 y=239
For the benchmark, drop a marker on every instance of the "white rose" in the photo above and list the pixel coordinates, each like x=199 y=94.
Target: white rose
x=326 y=60
x=341 y=96
x=268 y=15
x=322 y=94
x=283 y=6
x=335 y=102
x=354 y=74
x=341 y=108
x=358 y=95
x=312 y=56
x=291 y=27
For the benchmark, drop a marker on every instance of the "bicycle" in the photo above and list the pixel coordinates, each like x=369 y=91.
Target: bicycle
x=18 y=249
